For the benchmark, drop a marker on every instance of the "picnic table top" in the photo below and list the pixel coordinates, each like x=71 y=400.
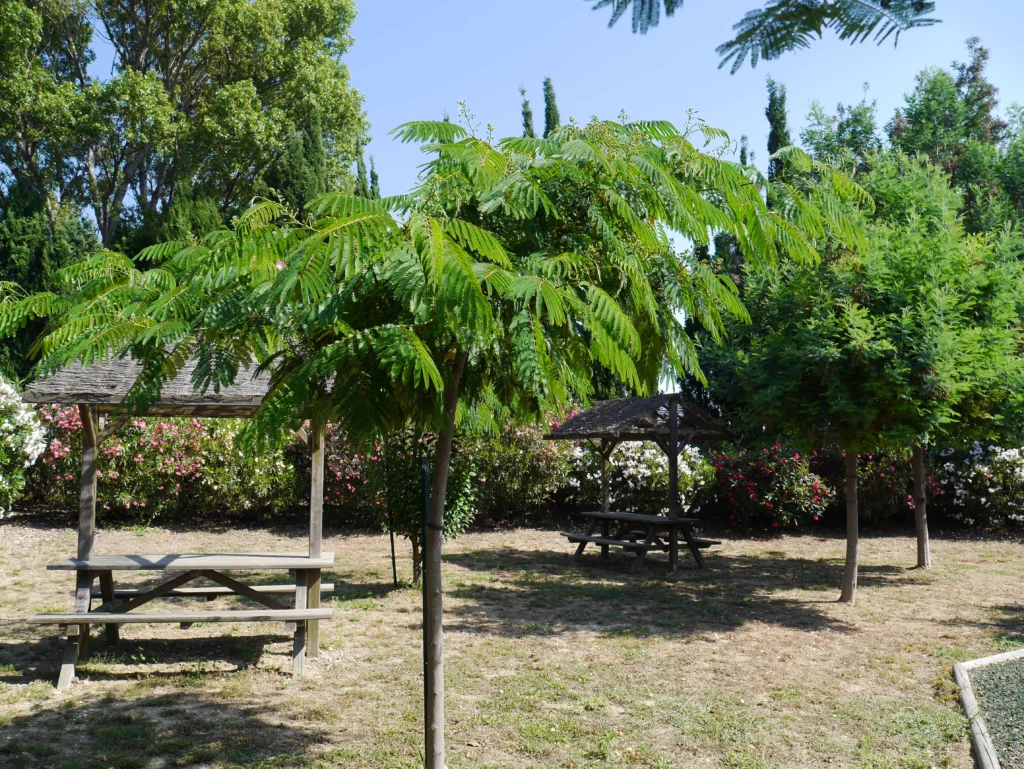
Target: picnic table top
x=189 y=562
x=637 y=518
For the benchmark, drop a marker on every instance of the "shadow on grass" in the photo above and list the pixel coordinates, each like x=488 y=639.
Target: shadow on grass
x=542 y=593
x=179 y=728
x=38 y=659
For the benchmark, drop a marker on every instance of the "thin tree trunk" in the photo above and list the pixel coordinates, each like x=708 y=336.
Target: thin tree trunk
x=849 y=594
x=415 y=560
x=434 y=625
x=924 y=548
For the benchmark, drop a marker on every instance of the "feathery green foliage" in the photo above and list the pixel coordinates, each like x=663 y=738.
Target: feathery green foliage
x=787 y=25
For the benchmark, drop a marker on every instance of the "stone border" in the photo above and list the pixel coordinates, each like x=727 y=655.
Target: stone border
x=984 y=751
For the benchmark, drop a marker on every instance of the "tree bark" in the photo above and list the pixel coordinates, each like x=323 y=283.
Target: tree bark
x=415 y=560
x=924 y=548
x=849 y=594
x=433 y=631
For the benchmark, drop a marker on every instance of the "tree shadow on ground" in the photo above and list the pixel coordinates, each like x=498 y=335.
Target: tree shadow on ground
x=26 y=661
x=177 y=728
x=542 y=593
x=1005 y=625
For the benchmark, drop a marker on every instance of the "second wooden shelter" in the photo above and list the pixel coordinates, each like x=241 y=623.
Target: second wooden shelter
x=673 y=423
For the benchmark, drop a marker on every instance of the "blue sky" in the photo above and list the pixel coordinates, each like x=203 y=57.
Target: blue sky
x=413 y=60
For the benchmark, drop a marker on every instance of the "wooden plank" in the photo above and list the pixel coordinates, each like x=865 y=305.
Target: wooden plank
x=641 y=553
x=157 y=592
x=177 y=617
x=299 y=639
x=187 y=562
x=626 y=543
x=313 y=626
x=83 y=602
x=108 y=595
x=640 y=518
x=244 y=590
x=210 y=591
x=67 y=665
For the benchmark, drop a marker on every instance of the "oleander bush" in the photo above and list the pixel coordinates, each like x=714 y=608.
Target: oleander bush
x=767 y=485
x=981 y=486
x=22 y=440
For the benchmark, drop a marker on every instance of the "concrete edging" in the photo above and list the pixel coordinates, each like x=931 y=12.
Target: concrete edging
x=984 y=751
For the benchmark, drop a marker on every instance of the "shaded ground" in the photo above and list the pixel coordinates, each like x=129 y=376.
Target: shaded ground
x=748 y=665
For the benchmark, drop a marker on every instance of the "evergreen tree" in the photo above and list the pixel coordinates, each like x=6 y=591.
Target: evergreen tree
x=34 y=245
x=745 y=155
x=362 y=188
x=778 y=128
x=552 y=121
x=527 y=110
x=374 y=180
x=301 y=173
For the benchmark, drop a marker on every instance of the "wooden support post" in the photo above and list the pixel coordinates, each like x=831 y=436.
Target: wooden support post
x=606 y=449
x=316 y=533
x=673 y=482
x=313 y=625
x=76 y=647
x=87 y=495
x=299 y=644
x=107 y=594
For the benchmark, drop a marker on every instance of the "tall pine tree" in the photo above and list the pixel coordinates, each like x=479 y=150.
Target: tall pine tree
x=551 y=118
x=528 y=131
x=374 y=180
x=778 y=128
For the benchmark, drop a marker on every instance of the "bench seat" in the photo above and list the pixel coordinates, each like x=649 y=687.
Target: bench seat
x=196 y=561
x=182 y=617
x=211 y=591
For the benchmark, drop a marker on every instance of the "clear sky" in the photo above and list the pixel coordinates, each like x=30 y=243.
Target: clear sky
x=413 y=60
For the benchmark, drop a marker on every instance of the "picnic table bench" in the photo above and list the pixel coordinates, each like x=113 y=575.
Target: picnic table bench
x=119 y=603
x=639 y=532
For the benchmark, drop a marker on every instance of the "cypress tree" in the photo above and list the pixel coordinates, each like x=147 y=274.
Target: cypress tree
x=778 y=130
x=362 y=179
x=528 y=131
x=300 y=174
x=374 y=180
x=551 y=119
x=745 y=155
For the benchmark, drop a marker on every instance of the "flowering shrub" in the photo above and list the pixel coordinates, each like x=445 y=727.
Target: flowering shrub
x=884 y=486
x=153 y=466
x=520 y=474
x=638 y=476
x=769 y=485
x=981 y=486
x=22 y=439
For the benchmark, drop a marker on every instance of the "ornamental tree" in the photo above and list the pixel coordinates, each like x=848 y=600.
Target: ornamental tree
x=495 y=286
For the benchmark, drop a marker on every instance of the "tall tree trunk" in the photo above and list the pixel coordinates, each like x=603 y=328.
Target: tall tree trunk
x=924 y=548
x=849 y=594
x=433 y=631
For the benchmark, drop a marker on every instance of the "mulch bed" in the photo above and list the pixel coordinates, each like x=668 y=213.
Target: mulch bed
x=1000 y=692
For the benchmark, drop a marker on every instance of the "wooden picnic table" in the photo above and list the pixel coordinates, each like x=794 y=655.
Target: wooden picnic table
x=639 y=532
x=118 y=603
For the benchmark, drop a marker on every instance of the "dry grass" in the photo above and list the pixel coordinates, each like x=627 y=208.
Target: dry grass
x=748 y=665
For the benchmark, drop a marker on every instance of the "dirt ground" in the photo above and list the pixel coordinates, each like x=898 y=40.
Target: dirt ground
x=750 y=664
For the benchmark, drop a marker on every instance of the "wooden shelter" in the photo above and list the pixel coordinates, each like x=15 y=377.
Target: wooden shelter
x=673 y=423
x=98 y=390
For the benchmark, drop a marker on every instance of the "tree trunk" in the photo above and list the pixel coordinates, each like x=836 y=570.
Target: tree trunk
x=415 y=560
x=924 y=548
x=433 y=631
x=849 y=594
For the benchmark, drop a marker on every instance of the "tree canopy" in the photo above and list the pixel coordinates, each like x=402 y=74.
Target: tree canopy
x=205 y=96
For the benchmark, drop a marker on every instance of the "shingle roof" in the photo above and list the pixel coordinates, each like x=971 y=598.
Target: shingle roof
x=638 y=419
x=104 y=385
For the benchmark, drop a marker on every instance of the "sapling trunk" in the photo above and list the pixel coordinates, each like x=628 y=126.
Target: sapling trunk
x=924 y=548
x=416 y=563
x=433 y=638
x=849 y=594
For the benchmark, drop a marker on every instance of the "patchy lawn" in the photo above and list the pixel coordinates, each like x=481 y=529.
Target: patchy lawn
x=748 y=665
